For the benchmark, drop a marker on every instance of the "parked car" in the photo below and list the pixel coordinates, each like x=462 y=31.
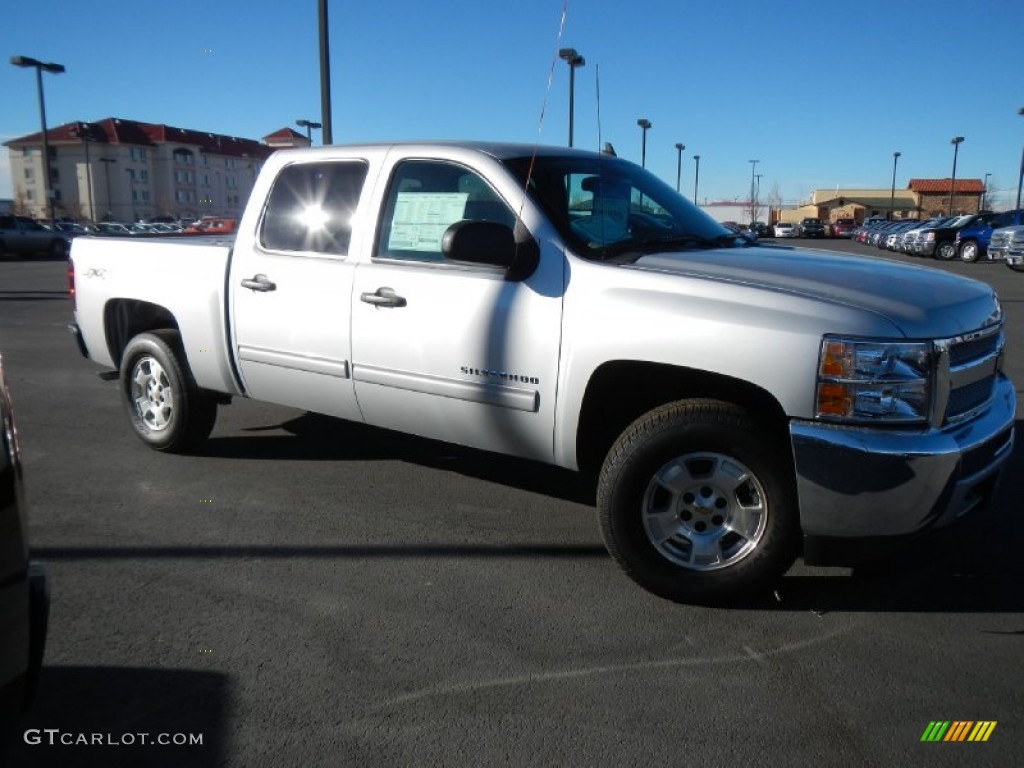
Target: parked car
x=843 y=227
x=213 y=227
x=22 y=235
x=972 y=242
x=1008 y=243
x=810 y=227
x=784 y=229
x=760 y=228
x=113 y=228
x=940 y=241
x=24 y=595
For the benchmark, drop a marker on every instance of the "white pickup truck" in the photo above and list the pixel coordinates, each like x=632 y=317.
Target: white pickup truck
x=741 y=404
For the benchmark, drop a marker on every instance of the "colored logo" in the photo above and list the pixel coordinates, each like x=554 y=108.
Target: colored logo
x=958 y=730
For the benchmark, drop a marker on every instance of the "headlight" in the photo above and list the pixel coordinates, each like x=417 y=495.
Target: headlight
x=873 y=381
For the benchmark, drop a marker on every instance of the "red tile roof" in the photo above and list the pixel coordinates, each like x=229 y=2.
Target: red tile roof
x=963 y=186
x=114 y=130
x=284 y=133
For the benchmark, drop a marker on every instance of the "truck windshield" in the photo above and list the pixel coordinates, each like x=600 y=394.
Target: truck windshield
x=608 y=208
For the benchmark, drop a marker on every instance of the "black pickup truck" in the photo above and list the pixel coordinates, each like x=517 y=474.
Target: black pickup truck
x=940 y=242
x=810 y=227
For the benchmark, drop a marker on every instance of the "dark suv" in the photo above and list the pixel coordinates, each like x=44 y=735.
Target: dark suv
x=24 y=599
x=810 y=228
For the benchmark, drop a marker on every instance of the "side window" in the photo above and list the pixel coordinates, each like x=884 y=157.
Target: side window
x=426 y=197
x=311 y=207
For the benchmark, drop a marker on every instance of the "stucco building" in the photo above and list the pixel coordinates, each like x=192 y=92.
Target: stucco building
x=125 y=170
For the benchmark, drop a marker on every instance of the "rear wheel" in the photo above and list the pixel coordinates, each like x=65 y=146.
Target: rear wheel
x=696 y=503
x=945 y=251
x=969 y=251
x=165 y=408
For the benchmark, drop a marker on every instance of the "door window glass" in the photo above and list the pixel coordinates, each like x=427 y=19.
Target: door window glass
x=310 y=207
x=427 y=197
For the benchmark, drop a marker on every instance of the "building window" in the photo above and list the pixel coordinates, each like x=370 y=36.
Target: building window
x=229 y=163
x=206 y=179
x=31 y=152
x=144 y=175
x=56 y=195
x=231 y=182
x=30 y=174
x=53 y=153
x=54 y=175
x=30 y=194
x=184 y=156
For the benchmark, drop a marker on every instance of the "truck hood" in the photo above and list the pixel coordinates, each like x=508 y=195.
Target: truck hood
x=921 y=302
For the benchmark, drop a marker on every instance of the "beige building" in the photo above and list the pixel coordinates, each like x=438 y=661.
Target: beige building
x=124 y=170
x=921 y=199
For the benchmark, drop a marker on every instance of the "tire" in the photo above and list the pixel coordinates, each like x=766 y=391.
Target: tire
x=1016 y=267
x=166 y=409
x=969 y=251
x=945 y=251
x=729 y=530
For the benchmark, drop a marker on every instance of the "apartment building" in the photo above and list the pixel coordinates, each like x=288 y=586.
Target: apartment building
x=125 y=170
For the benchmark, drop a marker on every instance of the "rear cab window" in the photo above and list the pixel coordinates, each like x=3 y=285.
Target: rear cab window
x=311 y=205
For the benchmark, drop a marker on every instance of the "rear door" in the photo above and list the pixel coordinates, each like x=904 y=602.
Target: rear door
x=291 y=286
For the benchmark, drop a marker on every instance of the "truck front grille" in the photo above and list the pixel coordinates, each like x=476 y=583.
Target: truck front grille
x=973 y=362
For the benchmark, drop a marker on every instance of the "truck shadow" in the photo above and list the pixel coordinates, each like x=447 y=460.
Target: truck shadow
x=322 y=438
x=117 y=704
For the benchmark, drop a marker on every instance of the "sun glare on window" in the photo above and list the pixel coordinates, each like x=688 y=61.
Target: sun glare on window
x=313 y=218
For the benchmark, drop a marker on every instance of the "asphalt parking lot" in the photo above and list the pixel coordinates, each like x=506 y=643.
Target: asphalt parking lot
x=307 y=592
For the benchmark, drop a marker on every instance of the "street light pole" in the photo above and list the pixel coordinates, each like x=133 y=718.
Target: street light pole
x=82 y=129
x=679 y=164
x=753 y=168
x=955 y=141
x=309 y=125
x=131 y=182
x=573 y=59
x=644 y=124
x=106 y=165
x=327 y=135
x=1020 y=178
x=892 y=192
x=27 y=61
x=696 y=177
x=984 y=192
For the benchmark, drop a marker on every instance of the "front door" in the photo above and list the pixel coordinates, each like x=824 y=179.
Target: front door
x=455 y=352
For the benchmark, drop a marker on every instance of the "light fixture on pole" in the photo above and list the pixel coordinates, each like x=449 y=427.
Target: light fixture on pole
x=645 y=125
x=892 y=192
x=573 y=59
x=696 y=177
x=956 y=141
x=309 y=125
x=679 y=164
x=27 y=61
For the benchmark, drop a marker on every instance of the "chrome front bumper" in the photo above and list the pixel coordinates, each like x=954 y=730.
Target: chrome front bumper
x=872 y=483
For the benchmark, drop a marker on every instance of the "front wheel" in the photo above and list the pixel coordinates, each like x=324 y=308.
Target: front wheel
x=166 y=409
x=696 y=503
x=945 y=251
x=969 y=251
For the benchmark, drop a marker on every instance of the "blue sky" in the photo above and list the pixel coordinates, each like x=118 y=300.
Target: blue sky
x=820 y=96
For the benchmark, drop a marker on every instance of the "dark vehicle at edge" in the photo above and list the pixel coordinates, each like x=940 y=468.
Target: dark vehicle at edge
x=24 y=590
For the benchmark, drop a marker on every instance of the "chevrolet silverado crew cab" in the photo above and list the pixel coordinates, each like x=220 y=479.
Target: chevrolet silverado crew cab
x=738 y=403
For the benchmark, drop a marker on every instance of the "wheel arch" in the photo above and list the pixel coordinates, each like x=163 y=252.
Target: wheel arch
x=605 y=412
x=123 y=319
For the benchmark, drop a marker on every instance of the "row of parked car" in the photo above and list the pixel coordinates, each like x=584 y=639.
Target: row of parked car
x=24 y=235
x=966 y=237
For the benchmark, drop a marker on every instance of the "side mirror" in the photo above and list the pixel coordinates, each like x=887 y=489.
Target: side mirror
x=491 y=243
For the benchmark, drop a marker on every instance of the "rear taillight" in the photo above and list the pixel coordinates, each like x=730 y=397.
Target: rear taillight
x=71 y=284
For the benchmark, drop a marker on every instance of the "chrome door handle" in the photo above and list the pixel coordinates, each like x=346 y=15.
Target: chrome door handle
x=384 y=297
x=259 y=283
